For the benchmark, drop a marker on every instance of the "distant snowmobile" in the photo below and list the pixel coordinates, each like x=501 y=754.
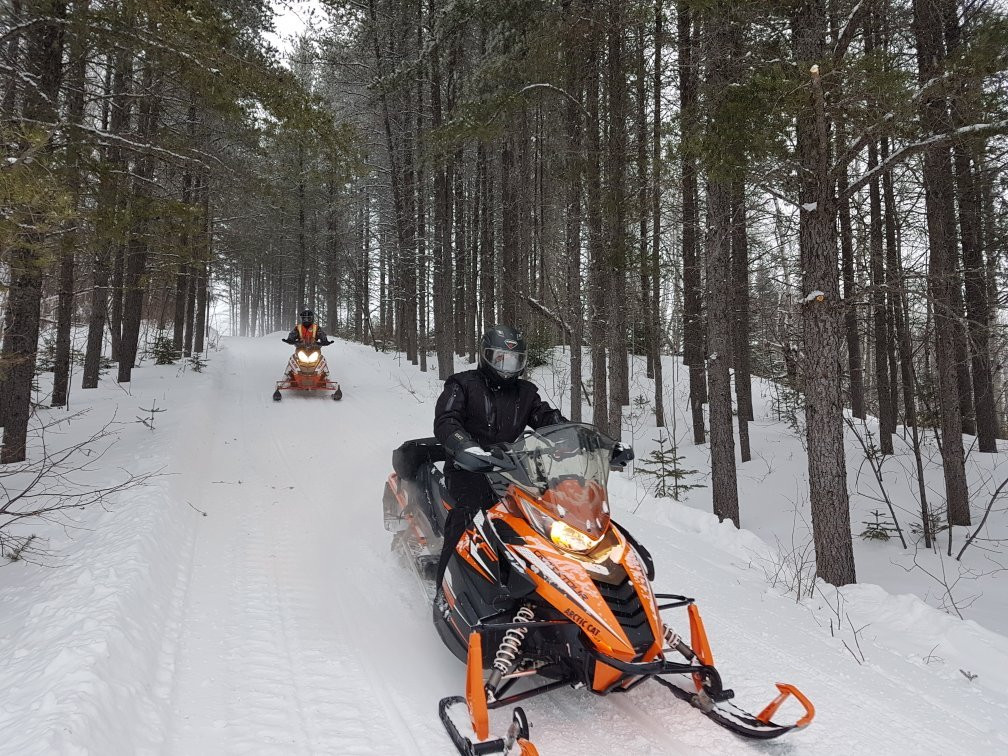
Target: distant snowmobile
x=307 y=370
x=545 y=591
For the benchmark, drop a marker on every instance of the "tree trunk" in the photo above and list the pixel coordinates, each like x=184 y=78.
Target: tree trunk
x=572 y=236
x=927 y=25
x=44 y=58
x=657 y=322
x=618 y=252
x=719 y=30
x=822 y=310
x=978 y=310
x=71 y=238
x=740 y=322
x=598 y=273
x=138 y=245
x=693 y=347
x=880 y=322
x=110 y=203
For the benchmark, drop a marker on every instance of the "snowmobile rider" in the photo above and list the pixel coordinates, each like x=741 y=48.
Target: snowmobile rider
x=307 y=332
x=479 y=408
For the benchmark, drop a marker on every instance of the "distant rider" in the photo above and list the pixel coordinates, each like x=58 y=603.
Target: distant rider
x=307 y=332
x=479 y=408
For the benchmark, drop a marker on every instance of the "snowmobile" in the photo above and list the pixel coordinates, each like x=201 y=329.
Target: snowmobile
x=545 y=590
x=307 y=370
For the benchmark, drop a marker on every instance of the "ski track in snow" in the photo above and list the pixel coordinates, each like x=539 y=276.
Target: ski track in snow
x=280 y=623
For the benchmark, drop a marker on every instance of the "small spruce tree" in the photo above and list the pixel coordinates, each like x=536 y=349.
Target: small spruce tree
x=665 y=465
x=164 y=351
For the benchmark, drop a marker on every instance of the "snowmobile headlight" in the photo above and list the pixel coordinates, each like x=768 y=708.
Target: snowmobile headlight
x=308 y=358
x=571 y=539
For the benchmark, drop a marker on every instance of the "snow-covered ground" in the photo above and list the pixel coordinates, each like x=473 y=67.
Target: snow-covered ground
x=246 y=600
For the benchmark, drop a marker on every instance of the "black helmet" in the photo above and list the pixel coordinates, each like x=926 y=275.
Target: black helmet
x=307 y=318
x=503 y=354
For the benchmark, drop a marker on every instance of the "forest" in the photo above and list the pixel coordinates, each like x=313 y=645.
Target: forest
x=807 y=192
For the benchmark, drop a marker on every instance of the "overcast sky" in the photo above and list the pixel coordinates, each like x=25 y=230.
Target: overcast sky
x=292 y=17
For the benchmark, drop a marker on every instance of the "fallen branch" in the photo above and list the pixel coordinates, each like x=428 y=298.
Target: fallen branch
x=983 y=520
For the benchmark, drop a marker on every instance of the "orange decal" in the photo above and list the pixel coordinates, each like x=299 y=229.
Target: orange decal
x=463 y=551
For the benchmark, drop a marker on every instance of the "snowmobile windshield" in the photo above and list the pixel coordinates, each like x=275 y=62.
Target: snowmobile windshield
x=564 y=469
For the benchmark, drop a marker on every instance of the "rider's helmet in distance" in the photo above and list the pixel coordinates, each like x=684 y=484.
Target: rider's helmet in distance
x=307 y=318
x=503 y=354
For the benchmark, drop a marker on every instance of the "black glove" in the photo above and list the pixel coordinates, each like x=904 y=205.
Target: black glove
x=288 y=341
x=324 y=343
x=474 y=459
x=621 y=454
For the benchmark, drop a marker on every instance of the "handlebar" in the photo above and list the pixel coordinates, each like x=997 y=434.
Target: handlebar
x=303 y=344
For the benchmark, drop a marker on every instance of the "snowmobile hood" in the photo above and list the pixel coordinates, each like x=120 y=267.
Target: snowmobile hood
x=594 y=591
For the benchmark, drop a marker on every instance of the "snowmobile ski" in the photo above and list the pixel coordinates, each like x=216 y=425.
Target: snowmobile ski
x=516 y=736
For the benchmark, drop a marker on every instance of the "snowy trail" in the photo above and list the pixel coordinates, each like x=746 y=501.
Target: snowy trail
x=299 y=631
x=296 y=631
x=280 y=623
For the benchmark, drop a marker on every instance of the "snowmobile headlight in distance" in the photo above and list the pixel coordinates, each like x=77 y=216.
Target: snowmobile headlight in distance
x=307 y=358
x=571 y=539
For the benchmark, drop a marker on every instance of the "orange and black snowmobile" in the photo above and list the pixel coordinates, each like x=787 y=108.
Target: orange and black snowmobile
x=307 y=370
x=545 y=591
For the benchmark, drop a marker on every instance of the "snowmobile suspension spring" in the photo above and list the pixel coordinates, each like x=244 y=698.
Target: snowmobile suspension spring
x=507 y=653
x=674 y=641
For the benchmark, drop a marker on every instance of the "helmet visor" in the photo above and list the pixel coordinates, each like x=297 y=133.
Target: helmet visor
x=505 y=361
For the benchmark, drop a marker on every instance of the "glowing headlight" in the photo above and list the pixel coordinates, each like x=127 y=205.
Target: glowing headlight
x=570 y=539
x=304 y=356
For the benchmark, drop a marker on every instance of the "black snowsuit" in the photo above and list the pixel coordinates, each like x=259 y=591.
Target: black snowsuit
x=476 y=409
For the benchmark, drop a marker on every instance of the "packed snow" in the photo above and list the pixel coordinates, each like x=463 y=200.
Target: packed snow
x=245 y=599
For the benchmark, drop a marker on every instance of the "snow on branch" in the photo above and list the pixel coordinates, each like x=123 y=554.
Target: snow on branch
x=553 y=88
x=905 y=153
x=850 y=28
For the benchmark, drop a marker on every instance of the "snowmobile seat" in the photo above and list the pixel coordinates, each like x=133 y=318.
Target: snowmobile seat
x=412 y=455
x=414 y=462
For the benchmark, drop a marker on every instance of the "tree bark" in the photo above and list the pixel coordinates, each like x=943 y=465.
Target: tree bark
x=138 y=245
x=693 y=347
x=572 y=236
x=822 y=311
x=880 y=321
x=44 y=59
x=927 y=25
x=719 y=30
x=71 y=237
x=598 y=288
x=740 y=321
x=110 y=203
x=618 y=252
x=657 y=322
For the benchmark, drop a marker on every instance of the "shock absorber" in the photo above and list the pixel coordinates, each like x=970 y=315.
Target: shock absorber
x=510 y=646
x=674 y=641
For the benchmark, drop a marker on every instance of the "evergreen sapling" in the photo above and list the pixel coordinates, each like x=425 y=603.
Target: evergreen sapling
x=665 y=465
